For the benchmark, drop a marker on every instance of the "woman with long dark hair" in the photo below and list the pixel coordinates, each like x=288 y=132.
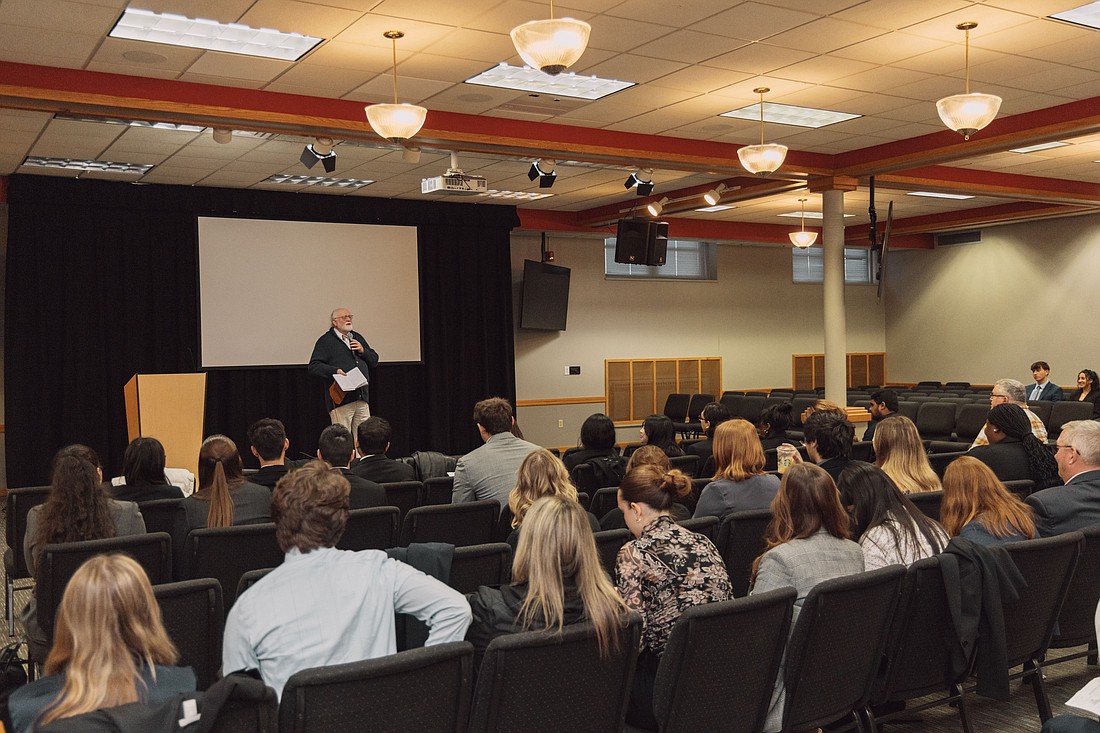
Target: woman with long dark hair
x=658 y=430
x=597 y=439
x=143 y=470
x=807 y=543
x=978 y=507
x=889 y=527
x=1014 y=453
x=1088 y=390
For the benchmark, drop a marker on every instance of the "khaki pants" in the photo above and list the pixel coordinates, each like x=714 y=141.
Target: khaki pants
x=350 y=415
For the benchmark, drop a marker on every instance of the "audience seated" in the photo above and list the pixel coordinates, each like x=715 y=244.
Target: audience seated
x=890 y=529
x=828 y=437
x=713 y=415
x=557 y=580
x=372 y=440
x=740 y=483
x=977 y=506
x=489 y=472
x=1010 y=391
x=807 y=543
x=774 y=422
x=647 y=455
x=325 y=606
x=822 y=406
x=662 y=573
x=1013 y=452
x=269 y=443
x=884 y=403
x=143 y=473
x=658 y=430
x=1077 y=504
x=1088 y=390
x=899 y=452
x=223 y=498
x=541 y=474
x=597 y=440
x=1043 y=389
x=110 y=648
x=336 y=448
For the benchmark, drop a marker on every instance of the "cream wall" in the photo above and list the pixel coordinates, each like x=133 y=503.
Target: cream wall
x=985 y=311
x=753 y=317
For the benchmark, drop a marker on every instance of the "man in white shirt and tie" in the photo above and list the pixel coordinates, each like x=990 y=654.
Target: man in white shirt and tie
x=1043 y=389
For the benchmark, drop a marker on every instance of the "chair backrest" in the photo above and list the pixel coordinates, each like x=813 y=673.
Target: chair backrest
x=373 y=528
x=676 y=406
x=731 y=402
x=1042 y=409
x=830 y=671
x=1064 y=411
x=226 y=553
x=1020 y=487
x=476 y=565
x=956 y=385
x=929 y=502
x=404 y=495
x=696 y=405
x=469 y=523
x=936 y=420
x=750 y=406
x=194 y=619
x=940 y=461
x=251 y=707
x=929 y=384
x=59 y=562
x=741 y=541
x=577 y=689
x=249 y=579
x=604 y=500
x=707 y=526
x=863 y=450
x=799 y=405
x=969 y=421
x=689 y=464
x=437 y=490
x=908 y=408
x=608 y=544
x=689 y=696
x=1047 y=565
x=19 y=504
x=159 y=514
x=1076 y=620
x=423 y=690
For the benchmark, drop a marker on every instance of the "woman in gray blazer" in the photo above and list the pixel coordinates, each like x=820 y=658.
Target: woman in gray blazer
x=807 y=543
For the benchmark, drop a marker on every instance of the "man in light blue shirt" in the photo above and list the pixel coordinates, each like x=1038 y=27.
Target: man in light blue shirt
x=325 y=606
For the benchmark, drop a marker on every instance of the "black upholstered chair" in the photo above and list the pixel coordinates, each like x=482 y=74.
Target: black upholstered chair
x=689 y=464
x=909 y=408
x=468 y=523
x=249 y=579
x=749 y=407
x=830 y=672
x=1076 y=620
x=969 y=420
x=18 y=505
x=226 y=553
x=1021 y=487
x=477 y=565
x=1064 y=411
x=940 y=461
x=691 y=425
x=608 y=544
x=740 y=541
x=537 y=680
x=405 y=495
x=688 y=696
x=1047 y=565
x=707 y=526
x=373 y=528
x=584 y=477
x=194 y=619
x=437 y=491
x=604 y=500
x=936 y=420
x=159 y=514
x=1042 y=409
x=251 y=707
x=422 y=690
x=676 y=406
x=929 y=502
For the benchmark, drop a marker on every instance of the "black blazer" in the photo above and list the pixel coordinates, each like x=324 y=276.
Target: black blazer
x=383 y=470
x=142 y=491
x=1007 y=459
x=269 y=475
x=363 y=493
x=1093 y=397
x=330 y=353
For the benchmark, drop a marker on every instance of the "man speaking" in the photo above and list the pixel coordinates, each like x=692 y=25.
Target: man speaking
x=340 y=351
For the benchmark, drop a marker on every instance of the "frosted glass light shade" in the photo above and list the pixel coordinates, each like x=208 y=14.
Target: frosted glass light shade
x=762 y=159
x=396 y=122
x=803 y=239
x=968 y=113
x=551 y=46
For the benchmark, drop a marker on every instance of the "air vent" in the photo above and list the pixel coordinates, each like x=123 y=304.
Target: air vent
x=543 y=106
x=972 y=236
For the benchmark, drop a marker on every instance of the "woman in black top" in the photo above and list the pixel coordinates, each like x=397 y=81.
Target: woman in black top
x=658 y=430
x=1088 y=390
x=1014 y=453
x=774 y=423
x=597 y=439
x=143 y=469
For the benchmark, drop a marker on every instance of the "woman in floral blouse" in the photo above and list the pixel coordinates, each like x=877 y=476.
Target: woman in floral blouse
x=667 y=570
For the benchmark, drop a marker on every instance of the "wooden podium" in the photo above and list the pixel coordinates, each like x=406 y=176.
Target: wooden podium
x=170 y=408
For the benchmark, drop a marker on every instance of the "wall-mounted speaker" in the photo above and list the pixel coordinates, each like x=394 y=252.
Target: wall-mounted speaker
x=641 y=242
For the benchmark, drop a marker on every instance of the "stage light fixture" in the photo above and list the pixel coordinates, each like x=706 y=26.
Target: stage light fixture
x=642 y=179
x=713 y=196
x=410 y=154
x=222 y=135
x=544 y=170
x=321 y=150
x=656 y=207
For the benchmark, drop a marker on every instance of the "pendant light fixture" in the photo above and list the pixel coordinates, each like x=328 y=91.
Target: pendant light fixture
x=803 y=239
x=551 y=46
x=968 y=113
x=395 y=122
x=762 y=159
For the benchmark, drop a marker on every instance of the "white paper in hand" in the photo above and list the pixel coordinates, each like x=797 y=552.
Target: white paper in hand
x=1087 y=699
x=352 y=380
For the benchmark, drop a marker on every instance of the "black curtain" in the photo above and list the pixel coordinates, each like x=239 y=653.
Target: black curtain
x=102 y=283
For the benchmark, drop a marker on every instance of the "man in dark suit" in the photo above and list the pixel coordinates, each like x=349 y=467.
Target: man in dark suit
x=372 y=442
x=1043 y=389
x=828 y=438
x=1077 y=504
x=339 y=351
x=335 y=447
x=269 y=444
x=884 y=403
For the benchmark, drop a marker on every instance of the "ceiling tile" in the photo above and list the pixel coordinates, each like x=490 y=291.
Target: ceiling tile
x=690 y=47
x=613 y=33
x=380 y=89
x=898 y=14
x=357 y=56
x=59 y=16
x=318 y=81
x=48 y=47
x=755 y=22
x=419 y=36
x=822 y=69
x=824 y=35
x=758 y=58
x=889 y=48
x=700 y=79
x=463 y=43
x=447 y=12
x=223 y=11
x=305 y=18
x=640 y=69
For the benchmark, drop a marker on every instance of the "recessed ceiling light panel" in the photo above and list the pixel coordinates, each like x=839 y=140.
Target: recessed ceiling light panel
x=787 y=114
x=288 y=180
x=1087 y=15
x=522 y=195
x=1040 y=146
x=718 y=207
x=210 y=35
x=809 y=215
x=939 y=195
x=526 y=79
x=99 y=166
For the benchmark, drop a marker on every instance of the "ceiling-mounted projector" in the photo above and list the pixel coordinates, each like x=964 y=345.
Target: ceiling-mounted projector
x=454 y=181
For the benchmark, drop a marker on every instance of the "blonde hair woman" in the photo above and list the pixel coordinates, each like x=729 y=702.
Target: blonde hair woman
x=899 y=452
x=110 y=648
x=541 y=474
x=740 y=483
x=557 y=580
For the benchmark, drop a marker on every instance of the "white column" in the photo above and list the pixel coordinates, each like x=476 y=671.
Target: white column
x=836 y=328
